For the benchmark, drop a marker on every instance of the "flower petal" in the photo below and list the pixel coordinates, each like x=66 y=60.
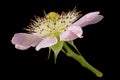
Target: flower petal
x=96 y=19
x=76 y=30
x=25 y=40
x=90 y=18
x=71 y=33
x=20 y=47
x=67 y=36
x=46 y=42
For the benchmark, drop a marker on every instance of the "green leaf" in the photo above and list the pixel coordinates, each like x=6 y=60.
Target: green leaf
x=57 y=48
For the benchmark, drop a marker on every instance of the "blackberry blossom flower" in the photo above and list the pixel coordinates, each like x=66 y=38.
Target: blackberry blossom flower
x=56 y=31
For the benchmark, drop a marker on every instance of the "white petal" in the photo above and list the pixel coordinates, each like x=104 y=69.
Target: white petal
x=67 y=36
x=46 y=42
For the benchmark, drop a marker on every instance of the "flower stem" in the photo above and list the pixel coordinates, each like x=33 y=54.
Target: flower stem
x=82 y=61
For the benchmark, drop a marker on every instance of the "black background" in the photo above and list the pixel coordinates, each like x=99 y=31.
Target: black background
x=96 y=46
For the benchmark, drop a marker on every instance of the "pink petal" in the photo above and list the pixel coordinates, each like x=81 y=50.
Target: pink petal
x=20 y=47
x=96 y=19
x=71 y=33
x=76 y=30
x=67 y=36
x=90 y=18
x=24 y=40
x=46 y=42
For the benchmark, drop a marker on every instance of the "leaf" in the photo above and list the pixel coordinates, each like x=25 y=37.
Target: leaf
x=57 y=48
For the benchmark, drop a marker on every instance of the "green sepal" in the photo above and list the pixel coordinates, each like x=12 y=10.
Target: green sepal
x=57 y=48
x=49 y=53
x=73 y=45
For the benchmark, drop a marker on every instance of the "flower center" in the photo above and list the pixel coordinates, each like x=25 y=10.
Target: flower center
x=52 y=23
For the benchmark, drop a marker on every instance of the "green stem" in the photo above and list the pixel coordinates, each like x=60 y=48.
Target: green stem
x=82 y=61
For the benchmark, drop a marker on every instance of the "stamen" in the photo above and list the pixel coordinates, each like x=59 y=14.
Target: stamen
x=52 y=22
